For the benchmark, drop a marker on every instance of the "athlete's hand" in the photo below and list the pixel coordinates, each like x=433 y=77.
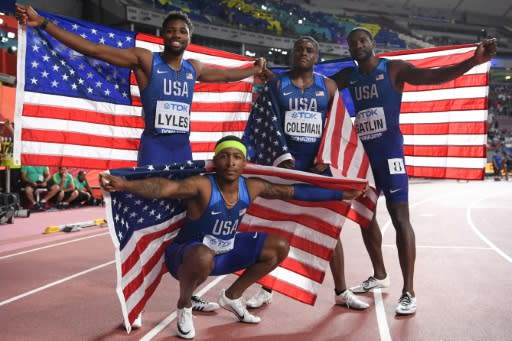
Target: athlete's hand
x=26 y=15
x=261 y=64
x=319 y=168
x=288 y=164
x=353 y=194
x=485 y=51
x=111 y=183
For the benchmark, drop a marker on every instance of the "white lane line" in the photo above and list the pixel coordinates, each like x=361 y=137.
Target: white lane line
x=480 y=234
x=381 y=316
x=382 y=321
x=52 y=245
x=165 y=322
x=60 y=281
x=443 y=247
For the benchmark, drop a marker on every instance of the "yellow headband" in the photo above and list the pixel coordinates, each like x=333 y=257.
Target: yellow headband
x=231 y=144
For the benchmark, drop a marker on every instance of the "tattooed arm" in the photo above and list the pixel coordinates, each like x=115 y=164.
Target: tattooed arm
x=304 y=192
x=153 y=188
x=261 y=188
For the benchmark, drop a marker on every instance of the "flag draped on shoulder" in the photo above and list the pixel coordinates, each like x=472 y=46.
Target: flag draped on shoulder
x=77 y=111
x=340 y=146
x=142 y=228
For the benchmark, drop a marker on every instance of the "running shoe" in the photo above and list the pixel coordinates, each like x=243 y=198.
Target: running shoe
x=260 y=298
x=185 y=324
x=406 y=304
x=350 y=300
x=370 y=284
x=199 y=304
x=238 y=308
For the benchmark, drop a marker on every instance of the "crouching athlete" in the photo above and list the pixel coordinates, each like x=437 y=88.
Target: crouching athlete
x=208 y=244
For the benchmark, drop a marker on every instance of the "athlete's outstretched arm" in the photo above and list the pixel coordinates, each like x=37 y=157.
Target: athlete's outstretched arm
x=210 y=74
x=265 y=189
x=153 y=188
x=130 y=58
x=406 y=72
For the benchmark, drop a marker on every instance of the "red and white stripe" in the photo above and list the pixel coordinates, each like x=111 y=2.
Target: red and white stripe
x=445 y=125
x=75 y=132
x=342 y=149
x=312 y=228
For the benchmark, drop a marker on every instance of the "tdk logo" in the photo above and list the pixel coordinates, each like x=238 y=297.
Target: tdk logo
x=304 y=115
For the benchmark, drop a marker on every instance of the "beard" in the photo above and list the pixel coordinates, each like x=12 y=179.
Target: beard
x=363 y=56
x=173 y=51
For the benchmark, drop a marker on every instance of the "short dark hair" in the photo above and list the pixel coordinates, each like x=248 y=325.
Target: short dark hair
x=311 y=39
x=178 y=15
x=360 y=28
x=230 y=138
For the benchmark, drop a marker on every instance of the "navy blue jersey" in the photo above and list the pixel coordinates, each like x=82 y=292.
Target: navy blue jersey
x=377 y=106
x=166 y=103
x=217 y=227
x=303 y=114
x=377 y=123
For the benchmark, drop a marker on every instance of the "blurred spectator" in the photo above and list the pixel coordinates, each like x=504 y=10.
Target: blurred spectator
x=506 y=163
x=12 y=170
x=34 y=178
x=61 y=189
x=498 y=163
x=84 y=190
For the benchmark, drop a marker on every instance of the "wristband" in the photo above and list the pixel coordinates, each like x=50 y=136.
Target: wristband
x=314 y=193
x=44 y=24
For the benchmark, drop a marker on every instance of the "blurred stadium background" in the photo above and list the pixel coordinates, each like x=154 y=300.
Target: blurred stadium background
x=268 y=28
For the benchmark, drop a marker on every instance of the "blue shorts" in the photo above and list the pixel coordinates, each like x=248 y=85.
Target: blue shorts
x=163 y=149
x=246 y=252
x=391 y=179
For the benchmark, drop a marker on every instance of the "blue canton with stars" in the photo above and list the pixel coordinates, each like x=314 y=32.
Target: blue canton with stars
x=131 y=212
x=263 y=134
x=53 y=68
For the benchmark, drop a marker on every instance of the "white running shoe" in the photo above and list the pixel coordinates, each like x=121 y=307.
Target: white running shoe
x=370 y=284
x=138 y=322
x=185 y=324
x=199 y=304
x=406 y=304
x=238 y=308
x=350 y=300
x=260 y=298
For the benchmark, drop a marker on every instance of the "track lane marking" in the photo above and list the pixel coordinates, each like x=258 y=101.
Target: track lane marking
x=52 y=245
x=165 y=322
x=480 y=234
x=52 y=284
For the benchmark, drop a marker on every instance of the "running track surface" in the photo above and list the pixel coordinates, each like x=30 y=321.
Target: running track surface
x=62 y=286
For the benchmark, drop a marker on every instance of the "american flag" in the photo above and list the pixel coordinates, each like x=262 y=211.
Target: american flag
x=340 y=146
x=445 y=125
x=77 y=111
x=142 y=228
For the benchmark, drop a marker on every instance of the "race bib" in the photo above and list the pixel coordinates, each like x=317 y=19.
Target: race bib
x=172 y=117
x=218 y=245
x=299 y=124
x=396 y=166
x=370 y=123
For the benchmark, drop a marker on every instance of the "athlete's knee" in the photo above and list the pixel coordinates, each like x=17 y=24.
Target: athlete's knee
x=199 y=259
x=278 y=246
